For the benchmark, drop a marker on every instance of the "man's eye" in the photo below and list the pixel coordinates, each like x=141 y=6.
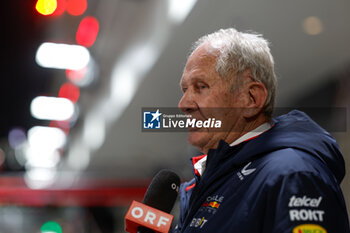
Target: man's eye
x=202 y=86
x=184 y=90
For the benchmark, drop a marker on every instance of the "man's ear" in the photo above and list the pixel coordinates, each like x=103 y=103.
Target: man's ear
x=257 y=95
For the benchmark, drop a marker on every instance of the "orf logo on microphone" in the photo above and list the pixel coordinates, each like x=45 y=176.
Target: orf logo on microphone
x=175 y=187
x=143 y=215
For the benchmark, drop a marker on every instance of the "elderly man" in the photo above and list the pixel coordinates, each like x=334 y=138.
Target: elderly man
x=257 y=174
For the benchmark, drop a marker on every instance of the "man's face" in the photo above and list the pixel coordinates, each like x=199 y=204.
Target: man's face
x=206 y=95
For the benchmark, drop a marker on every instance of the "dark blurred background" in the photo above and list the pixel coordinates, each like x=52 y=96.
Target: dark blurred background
x=78 y=164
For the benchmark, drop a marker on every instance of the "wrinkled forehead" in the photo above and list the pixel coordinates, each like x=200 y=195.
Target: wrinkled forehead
x=203 y=57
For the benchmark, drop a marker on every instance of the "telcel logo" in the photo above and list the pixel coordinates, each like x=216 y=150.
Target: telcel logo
x=304 y=201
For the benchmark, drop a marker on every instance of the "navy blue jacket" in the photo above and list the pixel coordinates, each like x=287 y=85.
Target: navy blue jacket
x=285 y=180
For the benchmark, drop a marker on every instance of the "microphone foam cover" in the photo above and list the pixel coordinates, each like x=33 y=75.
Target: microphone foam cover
x=162 y=192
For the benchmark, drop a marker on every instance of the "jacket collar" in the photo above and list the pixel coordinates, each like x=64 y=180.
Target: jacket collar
x=199 y=162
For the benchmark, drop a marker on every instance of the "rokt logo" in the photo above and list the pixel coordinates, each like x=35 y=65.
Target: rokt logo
x=151 y=120
x=198 y=222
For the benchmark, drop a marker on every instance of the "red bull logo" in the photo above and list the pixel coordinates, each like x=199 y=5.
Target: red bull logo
x=212 y=204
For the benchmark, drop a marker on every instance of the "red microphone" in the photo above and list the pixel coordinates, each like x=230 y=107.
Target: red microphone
x=153 y=214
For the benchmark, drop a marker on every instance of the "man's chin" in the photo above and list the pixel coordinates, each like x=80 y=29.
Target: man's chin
x=198 y=139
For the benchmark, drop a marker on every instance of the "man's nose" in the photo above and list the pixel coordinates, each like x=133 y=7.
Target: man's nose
x=187 y=103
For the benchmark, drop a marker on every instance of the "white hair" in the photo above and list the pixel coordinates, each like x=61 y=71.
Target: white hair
x=244 y=51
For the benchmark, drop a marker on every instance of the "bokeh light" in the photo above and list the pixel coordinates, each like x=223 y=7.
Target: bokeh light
x=87 y=31
x=51 y=227
x=312 y=26
x=17 y=136
x=52 y=108
x=179 y=9
x=85 y=76
x=62 y=56
x=46 y=7
x=61 y=8
x=76 y=7
x=46 y=138
x=40 y=178
x=76 y=75
x=63 y=125
x=41 y=158
x=69 y=91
